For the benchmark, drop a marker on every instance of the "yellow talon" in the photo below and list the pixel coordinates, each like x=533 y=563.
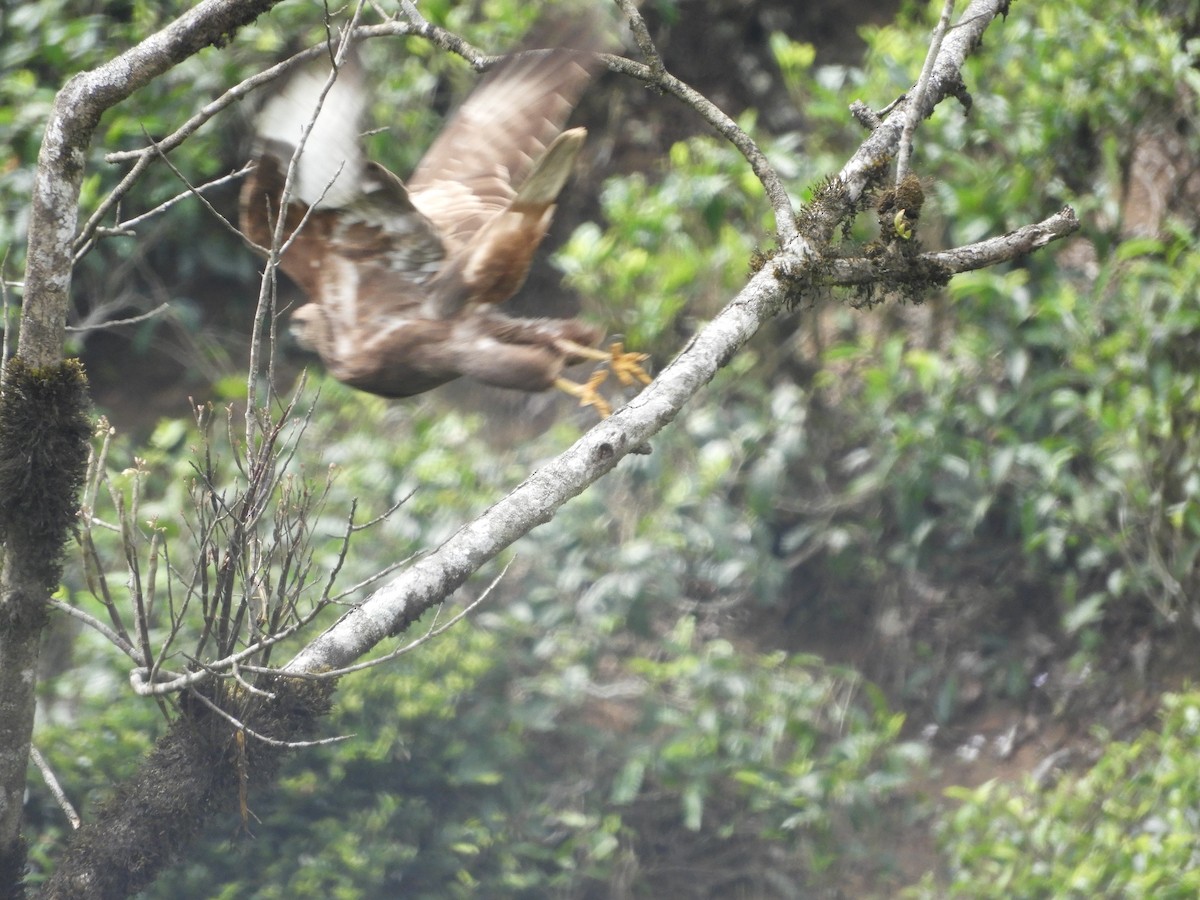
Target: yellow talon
x=587 y=392
x=627 y=366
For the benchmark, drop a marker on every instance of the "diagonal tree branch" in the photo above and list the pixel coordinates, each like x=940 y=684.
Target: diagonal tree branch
x=399 y=602
x=980 y=255
x=393 y=607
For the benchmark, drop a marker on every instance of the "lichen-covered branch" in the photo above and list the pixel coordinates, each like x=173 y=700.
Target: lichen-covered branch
x=195 y=770
x=393 y=607
x=44 y=430
x=47 y=397
x=992 y=251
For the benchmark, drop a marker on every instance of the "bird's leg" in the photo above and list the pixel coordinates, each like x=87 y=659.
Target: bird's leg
x=627 y=366
x=587 y=393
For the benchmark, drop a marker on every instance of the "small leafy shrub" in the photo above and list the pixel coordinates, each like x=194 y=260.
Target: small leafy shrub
x=1128 y=827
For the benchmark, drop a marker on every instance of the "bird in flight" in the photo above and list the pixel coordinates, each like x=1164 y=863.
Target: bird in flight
x=405 y=280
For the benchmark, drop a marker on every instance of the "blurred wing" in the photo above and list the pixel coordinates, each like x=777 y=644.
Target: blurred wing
x=490 y=146
x=492 y=265
x=381 y=226
x=364 y=236
x=331 y=165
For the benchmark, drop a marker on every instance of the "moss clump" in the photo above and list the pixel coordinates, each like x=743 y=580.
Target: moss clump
x=45 y=424
x=899 y=210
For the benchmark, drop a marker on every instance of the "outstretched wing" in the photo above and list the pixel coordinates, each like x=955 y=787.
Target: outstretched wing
x=330 y=168
x=401 y=279
x=490 y=146
x=360 y=231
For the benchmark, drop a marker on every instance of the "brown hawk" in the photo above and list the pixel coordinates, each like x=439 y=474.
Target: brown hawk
x=405 y=280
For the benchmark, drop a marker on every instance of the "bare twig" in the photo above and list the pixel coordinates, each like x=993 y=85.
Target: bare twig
x=370 y=579
x=271 y=742
x=140 y=679
x=641 y=34
x=912 y=115
x=379 y=11
x=654 y=74
x=113 y=323
x=383 y=515
x=55 y=788
x=97 y=582
x=266 y=296
x=92 y=231
x=121 y=643
x=235 y=673
x=979 y=255
x=426 y=637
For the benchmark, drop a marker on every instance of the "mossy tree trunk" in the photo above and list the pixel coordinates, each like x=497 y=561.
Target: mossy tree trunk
x=43 y=420
x=199 y=765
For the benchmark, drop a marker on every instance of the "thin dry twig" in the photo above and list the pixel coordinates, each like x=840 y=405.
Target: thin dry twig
x=383 y=515
x=143 y=679
x=912 y=112
x=369 y=580
x=268 y=285
x=93 y=231
x=641 y=35
x=429 y=635
x=653 y=73
x=271 y=742
x=121 y=643
x=55 y=788
x=113 y=323
x=980 y=255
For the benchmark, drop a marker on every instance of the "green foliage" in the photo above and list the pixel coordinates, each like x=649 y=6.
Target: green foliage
x=1125 y=828
x=675 y=247
x=466 y=778
x=1040 y=421
x=1079 y=422
x=1134 y=404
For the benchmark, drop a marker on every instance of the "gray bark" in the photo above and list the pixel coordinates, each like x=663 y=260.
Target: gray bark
x=400 y=602
x=53 y=221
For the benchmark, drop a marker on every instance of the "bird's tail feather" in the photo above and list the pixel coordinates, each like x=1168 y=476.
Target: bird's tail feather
x=552 y=169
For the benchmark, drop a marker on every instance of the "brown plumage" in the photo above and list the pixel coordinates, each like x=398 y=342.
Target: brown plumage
x=404 y=281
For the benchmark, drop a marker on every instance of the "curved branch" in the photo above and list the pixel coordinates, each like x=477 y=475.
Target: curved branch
x=913 y=109
x=73 y=120
x=400 y=602
x=655 y=74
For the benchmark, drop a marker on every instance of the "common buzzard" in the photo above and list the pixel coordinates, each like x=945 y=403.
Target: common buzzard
x=405 y=280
